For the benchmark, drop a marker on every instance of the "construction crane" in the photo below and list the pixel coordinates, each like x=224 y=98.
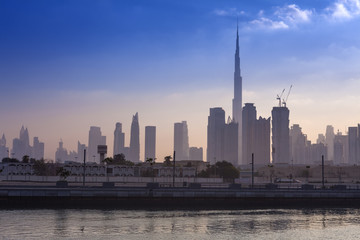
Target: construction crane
x=279 y=97
x=285 y=100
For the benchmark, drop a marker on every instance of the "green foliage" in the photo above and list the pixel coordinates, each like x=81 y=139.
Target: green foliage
x=108 y=160
x=151 y=161
x=204 y=174
x=63 y=173
x=10 y=160
x=227 y=170
x=40 y=168
x=221 y=169
x=167 y=161
x=119 y=159
x=25 y=159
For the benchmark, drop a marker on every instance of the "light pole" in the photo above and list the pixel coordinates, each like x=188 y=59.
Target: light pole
x=322 y=171
x=252 y=170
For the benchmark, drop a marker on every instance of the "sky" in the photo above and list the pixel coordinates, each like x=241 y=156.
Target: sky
x=68 y=65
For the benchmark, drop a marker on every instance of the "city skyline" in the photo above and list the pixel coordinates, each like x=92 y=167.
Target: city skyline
x=59 y=89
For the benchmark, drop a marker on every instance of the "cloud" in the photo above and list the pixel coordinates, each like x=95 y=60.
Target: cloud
x=293 y=14
x=267 y=23
x=228 y=12
x=282 y=18
x=343 y=10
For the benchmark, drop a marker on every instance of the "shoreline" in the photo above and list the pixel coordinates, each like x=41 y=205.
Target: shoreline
x=173 y=198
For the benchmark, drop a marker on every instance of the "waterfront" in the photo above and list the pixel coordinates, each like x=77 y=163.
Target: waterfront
x=140 y=224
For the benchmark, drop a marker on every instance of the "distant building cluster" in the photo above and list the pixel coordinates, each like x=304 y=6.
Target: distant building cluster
x=22 y=147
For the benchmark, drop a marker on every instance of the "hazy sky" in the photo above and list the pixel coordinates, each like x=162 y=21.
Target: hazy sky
x=69 y=65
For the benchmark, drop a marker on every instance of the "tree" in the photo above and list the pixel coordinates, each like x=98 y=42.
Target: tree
x=10 y=160
x=108 y=160
x=151 y=161
x=167 y=161
x=25 y=159
x=63 y=173
x=119 y=159
x=40 y=168
x=227 y=170
x=223 y=169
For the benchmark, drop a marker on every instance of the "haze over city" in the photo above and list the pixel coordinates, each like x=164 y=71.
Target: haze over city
x=64 y=69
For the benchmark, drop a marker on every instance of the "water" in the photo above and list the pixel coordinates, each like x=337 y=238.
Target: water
x=151 y=225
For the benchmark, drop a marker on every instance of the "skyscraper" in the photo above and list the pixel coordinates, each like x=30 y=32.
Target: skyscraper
x=181 y=141
x=134 y=140
x=341 y=149
x=196 y=153
x=255 y=136
x=237 y=100
x=38 y=149
x=330 y=135
x=150 y=142
x=61 y=154
x=95 y=139
x=119 y=139
x=80 y=152
x=280 y=135
x=354 y=145
x=298 y=146
x=215 y=135
x=230 y=142
x=4 y=151
x=248 y=132
x=21 y=146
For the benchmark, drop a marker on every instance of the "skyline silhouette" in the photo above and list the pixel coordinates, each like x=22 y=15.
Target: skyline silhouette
x=62 y=75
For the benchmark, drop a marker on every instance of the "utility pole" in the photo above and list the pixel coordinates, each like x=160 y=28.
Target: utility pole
x=322 y=171
x=174 y=170
x=252 y=170
x=84 y=168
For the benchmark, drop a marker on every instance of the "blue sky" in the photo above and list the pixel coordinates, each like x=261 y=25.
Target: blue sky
x=82 y=63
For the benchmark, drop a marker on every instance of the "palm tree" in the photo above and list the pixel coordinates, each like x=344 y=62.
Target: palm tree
x=151 y=161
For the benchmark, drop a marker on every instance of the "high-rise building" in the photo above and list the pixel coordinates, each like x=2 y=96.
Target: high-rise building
x=181 y=141
x=230 y=142
x=262 y=136
x=80 y=152
x=215 y=135
x=38 y=149
x=150 y=142
x=4 y=151
x=61 y=154
x=135 y=140
x=95 y=139
x=237 y=100
x=255 y=136
x=196 y=153
x=354 y=145
x=21 y=146
x=316 y=152
x=341 y=149
x=321 y=138
x=119 y=139
x=248 y=132
x=280 y=135
x=298 y=142
x=330 y=135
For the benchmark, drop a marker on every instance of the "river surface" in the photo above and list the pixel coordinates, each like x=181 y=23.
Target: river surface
x=151 y=225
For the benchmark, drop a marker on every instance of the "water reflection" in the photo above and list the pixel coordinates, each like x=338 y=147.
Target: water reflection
x=115 y=224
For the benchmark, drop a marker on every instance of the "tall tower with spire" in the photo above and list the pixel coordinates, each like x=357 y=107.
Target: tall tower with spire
x=237 y=100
